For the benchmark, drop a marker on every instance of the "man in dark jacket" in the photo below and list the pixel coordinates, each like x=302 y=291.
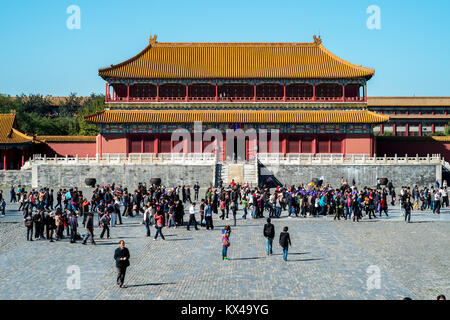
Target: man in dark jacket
x=285 y=242
x=73 y=223
x=269 y=233
x=89 y=228
x=122 y=257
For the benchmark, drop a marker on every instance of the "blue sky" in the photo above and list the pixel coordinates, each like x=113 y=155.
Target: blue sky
x=39 y=54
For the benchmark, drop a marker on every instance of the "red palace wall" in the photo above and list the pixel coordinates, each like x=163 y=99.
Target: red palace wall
x=288 y=143
x=412 y=146
x=70 y=149
x=359 y=144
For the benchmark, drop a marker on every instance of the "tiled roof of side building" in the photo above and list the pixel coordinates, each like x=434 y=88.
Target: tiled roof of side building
x=408 y=102
x=179 y=60
x=9 y=134
x=63 y=139
x=235 y=116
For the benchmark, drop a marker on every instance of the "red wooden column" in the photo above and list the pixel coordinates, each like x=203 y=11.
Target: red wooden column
x=343 y=92
x=217 y=95
x=187 y=92
x=128 y=92
x=284 y=145
x=432 y=128
x=254 y=92
x=394 y=129
x=157 y=92
x=407 y=129
x=23 y=156
x=156 y=147
x=365 y=92
x=106 y=92
x=284 y=92
x=4 y=159
x=100 y=145
x=381 y=129
x=420 y=129
x=314 y=92
x=314 y=145
x=371 y=145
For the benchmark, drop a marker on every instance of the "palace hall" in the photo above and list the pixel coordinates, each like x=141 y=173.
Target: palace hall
x=316 y=101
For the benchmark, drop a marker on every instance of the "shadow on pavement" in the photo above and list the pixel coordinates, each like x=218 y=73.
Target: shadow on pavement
x=148 y=284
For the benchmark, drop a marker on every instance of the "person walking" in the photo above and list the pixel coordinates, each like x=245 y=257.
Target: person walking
x=269 y=234
x=159 y=221
x=285 y=242
x=37 y=219
x=89 y=228
x=3 y=207
x=147 y=219
x=407 y=207
x=192 y=217
x=13 y=195
x=437 y=202
x=122 y=258
x=73 y=223
x=196 y=190
x=208 y=217
x=29 y=225
x=104 y=222
x=226 y=231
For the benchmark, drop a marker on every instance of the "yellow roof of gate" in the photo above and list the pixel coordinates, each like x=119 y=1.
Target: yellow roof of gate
x=235 y=116
x=10 y=135
x=182 y=60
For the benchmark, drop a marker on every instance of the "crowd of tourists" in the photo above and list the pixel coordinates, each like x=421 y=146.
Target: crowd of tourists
x=54 y=215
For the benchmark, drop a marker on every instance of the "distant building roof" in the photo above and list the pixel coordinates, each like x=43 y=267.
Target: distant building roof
x=408 y=101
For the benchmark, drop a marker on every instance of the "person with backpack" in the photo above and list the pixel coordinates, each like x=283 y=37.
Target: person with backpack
x=269 y=234
x=285 y=242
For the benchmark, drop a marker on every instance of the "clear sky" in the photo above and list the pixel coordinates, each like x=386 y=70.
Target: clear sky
x=39 y=54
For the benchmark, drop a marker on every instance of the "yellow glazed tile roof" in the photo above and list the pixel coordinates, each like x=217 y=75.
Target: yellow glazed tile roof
x=10 y=135
x=178 y=60
x=235 y=116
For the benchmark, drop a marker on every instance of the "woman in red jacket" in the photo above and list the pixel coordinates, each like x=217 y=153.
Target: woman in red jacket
x=383 y=207
x=159 y=220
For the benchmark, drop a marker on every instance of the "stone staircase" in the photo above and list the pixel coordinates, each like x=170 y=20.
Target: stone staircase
x=240 y=172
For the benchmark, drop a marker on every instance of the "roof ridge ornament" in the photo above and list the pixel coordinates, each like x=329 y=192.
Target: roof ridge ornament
x=317 y=40
x=152 y=40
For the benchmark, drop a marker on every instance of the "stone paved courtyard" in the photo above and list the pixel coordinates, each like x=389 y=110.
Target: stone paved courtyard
x=328 y=260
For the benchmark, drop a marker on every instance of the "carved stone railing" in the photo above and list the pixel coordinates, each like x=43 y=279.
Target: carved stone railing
x=340 y=159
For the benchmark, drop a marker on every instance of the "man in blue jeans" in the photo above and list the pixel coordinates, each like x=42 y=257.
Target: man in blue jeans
x=269 y=233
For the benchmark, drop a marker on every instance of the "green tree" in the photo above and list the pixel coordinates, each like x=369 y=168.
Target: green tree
x=94 y=104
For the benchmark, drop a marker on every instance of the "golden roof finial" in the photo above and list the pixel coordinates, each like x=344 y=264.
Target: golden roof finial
x=152 y=40
x=317 y=40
